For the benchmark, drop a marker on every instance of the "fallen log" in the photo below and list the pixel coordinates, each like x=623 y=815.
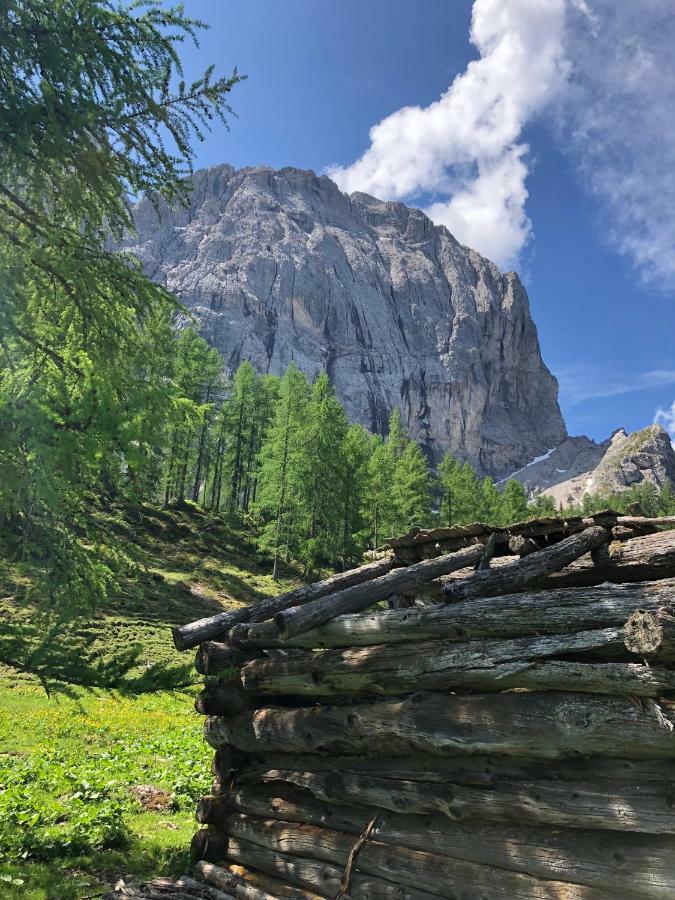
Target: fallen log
x=513 y=615
x=483 y=665
x=297 y=619
x=324 y=878
x=651 y=634
x=607 y=807
x=549 y=725
x=631 y=862
x=528 y=570
x=400 y=865
x=187 y=636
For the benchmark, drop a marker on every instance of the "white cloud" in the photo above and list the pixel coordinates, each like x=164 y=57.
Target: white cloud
x=666 y=417
x=582 y=382
x=616 y=120
x=466 y=147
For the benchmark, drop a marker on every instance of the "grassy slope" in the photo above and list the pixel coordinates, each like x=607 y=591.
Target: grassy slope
x=69 y=820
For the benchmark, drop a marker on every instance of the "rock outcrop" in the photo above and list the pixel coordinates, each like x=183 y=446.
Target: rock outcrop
x=280 y=266
x=579 y=466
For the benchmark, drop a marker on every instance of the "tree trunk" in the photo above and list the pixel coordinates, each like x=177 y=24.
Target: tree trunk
x=515 y=615
x=528 y=570
x=619 y=861
x=299 y=619
x=413 y=869
x=187 y=636
x=549 y=725
x=651 y=634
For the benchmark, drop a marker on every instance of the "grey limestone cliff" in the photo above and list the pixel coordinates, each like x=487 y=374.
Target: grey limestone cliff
x=280 y=266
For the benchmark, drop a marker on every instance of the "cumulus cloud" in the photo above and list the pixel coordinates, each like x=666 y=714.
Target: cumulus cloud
x=666 y=417
x=615 y=118
x=466 y=149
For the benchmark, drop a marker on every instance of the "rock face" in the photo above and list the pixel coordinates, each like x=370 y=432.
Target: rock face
x=280 y=266
x=579 y=466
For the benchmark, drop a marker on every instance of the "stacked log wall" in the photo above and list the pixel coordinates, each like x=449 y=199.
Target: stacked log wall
x=510 y=740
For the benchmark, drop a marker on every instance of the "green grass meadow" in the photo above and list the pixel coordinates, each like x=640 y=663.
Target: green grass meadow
x=97 y=785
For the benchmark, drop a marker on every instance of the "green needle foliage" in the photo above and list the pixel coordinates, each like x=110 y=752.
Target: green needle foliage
x=94 y=111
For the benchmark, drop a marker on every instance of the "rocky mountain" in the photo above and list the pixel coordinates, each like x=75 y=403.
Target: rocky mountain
x=281 y=265
x=579 y=466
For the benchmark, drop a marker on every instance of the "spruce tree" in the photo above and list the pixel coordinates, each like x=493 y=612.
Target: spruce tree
x=412 y=489
x=279 y=500
x=514 y=503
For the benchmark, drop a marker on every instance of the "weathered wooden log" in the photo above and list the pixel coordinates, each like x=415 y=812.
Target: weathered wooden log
x=230 y=882
x=297 y=619
x=514 y=615
x=478 y=770
x=228 y=759
x=438 y=665
x=400 y=865
x=187 y=636
x=222 y=699
x=324 y=878
x=212 y=809
x=270 y=884
x=651 y=634
x=208 y=844
x=655 y=521
x=605 y=806
x=638 y=559
x=624 y=861
x=214 y=657
x=199 y=889
x=522 y=546
x=528 y=570
x=550 y=725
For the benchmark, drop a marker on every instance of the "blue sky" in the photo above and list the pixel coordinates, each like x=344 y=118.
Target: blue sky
x=585 y=216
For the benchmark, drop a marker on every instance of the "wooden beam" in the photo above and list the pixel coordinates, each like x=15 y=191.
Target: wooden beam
x=194 y=633
x=550 y=725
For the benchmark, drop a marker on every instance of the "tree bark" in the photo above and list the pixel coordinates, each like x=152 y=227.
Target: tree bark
x=608 y=806
x=637 y=559
x=324 y=878
x=413 y=869
x=528 y=570
x=651 y=634
x=631 y=862
x=187 y=636
x=298 y=619
x=515 y=615
x=549 y=725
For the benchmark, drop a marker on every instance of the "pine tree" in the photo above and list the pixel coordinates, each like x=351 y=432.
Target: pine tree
x=514 y=503
x=357 y=450
x=279 y=500
x=380 y=508
x=446 y=481
x=490 y=502
x=411 y=489
x=324 y=473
